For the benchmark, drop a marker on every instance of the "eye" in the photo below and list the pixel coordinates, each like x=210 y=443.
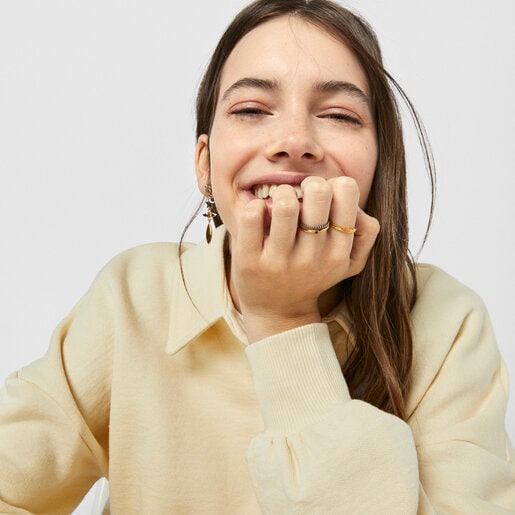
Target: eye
x=343 y=117
x=249 y=111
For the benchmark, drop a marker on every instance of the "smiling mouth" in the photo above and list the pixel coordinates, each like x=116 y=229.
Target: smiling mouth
x=264 y=191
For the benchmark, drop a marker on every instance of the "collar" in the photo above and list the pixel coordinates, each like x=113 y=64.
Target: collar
x=202 y=298
x=340 y=316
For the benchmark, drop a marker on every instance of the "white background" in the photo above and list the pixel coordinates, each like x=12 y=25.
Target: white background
x=97 y=141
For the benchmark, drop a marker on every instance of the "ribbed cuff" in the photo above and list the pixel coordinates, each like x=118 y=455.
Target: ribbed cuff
x=297 y=377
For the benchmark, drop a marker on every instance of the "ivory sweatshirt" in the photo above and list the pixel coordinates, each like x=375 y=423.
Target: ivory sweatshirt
x=166 y=398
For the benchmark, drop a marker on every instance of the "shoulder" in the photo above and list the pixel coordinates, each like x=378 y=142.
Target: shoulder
x=144 y=262
x=141 y=275
x=439 y=292
x=132 y=293
x=444 y=306
x=147 y=255
x=451 y=330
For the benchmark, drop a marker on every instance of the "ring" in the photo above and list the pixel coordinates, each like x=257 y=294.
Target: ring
x=314 y=229
x=345 y=230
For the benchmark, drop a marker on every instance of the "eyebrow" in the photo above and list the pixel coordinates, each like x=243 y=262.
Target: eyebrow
x=332 y=86
x=336 y=86
x=250 y=82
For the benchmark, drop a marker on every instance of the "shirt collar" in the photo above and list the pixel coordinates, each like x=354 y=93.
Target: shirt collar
x=340 y=316
x=199 y=296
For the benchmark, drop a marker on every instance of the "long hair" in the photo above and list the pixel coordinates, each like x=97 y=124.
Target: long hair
x=380 y=298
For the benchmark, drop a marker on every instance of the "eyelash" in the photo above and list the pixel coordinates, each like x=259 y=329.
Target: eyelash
x=249 y=111
x=338 y=117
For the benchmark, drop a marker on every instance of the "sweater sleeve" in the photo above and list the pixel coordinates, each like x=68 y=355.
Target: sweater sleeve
x=322 y=452
x=325 y=453
x=54 y=415
x=458 y=406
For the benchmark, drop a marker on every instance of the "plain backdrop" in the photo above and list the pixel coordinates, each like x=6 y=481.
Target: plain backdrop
x=97 y=141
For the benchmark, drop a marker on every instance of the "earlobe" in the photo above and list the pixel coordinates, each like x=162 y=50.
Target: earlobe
x=202 y=165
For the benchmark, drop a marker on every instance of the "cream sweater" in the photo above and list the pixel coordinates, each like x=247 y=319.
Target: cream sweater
x=170 y=403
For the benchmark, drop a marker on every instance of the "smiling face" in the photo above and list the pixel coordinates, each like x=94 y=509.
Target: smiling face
x=293 y=102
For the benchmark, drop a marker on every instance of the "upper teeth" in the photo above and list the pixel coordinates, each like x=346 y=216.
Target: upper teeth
x=267 y=190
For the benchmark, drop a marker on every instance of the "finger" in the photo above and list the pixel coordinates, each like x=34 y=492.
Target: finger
x=316 y=203
x=249 y=237
x=285 y=216
x=344 y=206
x=367 y=229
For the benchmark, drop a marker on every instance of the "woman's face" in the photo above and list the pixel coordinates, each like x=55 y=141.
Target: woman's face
x=293 y=102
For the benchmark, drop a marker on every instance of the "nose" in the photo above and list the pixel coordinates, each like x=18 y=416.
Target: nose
x=295 y=140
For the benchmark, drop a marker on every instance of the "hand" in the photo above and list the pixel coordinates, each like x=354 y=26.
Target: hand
x=278 y=278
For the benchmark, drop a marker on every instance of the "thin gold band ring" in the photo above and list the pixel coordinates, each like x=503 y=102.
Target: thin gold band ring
x=344 y=230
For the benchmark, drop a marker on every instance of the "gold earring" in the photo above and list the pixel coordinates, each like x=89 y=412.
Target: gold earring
x=210 y=213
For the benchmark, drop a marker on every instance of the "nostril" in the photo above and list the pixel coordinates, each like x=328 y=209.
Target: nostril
x=294 y=147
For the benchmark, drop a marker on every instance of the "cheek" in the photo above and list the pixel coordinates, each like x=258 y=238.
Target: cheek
x=367 y=164
x=230 y=151
x=360 y=164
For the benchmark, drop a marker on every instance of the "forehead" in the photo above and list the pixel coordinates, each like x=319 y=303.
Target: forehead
x=290 y=48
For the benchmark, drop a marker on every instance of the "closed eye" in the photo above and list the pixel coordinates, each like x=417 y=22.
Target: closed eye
x=249 y=111
x=343 y=118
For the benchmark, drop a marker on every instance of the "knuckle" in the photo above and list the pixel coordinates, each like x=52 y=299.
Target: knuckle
x=356 y=268
x=347 y=181
x=311 y=179
x=251 y=214
x=304 y=263
x=285 y=206
x=372 y=227
x=316 y=187
x=279 y=266
x=342 y=264
x=347 y=185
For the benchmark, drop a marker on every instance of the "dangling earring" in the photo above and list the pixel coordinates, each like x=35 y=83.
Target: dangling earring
x=210 y=213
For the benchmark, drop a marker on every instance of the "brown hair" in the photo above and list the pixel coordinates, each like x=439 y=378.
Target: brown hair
x=380 y=298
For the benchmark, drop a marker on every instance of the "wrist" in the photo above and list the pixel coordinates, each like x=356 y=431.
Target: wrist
x=260 y=326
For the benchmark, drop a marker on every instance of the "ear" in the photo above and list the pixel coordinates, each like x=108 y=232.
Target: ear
x=202 y=163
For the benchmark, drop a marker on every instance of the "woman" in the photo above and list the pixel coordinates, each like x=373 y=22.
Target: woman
x=297 y=362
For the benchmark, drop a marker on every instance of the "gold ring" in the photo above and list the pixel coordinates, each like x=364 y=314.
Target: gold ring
x=314 y=229
x=345 y=230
